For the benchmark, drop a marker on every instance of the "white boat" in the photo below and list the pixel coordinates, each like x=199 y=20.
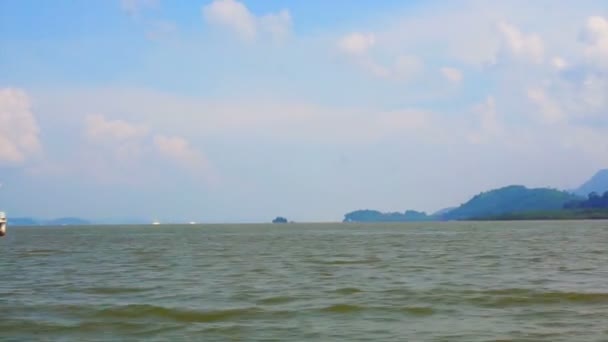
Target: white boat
x=3 y=223
x=155 y=223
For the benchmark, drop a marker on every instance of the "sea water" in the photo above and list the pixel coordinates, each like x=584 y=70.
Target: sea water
x=481 y=281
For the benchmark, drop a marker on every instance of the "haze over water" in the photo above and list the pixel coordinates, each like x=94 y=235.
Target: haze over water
x=524 y=281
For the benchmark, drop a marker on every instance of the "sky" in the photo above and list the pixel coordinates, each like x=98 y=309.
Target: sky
x=240 y=111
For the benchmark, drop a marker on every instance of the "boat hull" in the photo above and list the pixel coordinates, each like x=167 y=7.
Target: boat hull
x=3 y=224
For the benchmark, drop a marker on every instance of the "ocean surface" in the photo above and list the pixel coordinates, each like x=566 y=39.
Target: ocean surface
x=482 y=281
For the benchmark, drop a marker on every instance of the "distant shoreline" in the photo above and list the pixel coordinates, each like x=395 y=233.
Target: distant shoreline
x=556 y=215
x=506 y=218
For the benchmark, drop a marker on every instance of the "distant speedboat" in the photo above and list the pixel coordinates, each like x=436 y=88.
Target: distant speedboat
x=156 y=223
x=3 y=223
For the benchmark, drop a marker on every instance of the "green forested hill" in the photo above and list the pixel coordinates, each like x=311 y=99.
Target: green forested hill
x=510 y=199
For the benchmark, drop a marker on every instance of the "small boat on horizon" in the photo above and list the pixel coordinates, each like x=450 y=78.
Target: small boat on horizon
x=3 y=223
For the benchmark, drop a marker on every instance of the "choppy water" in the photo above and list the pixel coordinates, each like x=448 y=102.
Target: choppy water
x=525 y=281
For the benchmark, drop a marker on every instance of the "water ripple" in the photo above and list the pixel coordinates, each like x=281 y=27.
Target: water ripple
x=469 y=281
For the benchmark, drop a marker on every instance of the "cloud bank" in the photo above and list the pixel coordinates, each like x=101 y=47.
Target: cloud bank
x=235 y=17
x=19 y=132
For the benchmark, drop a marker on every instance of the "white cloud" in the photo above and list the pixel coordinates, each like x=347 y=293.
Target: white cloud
x=528 y=47
x=18 y=127
x=595 y=35
x=559 y=63
x=133 y=7
x=358 y=47
x=594 y=94
x=589 y=141
x=407 y=66
x=490 y=126
x=578 y=94
x=357 y=43
x=124 y=141
x=549 y=110
x=161 y=29
x=276 y=119
x=234 y=16
x=121 y=145
x=100 y=129
x=452 y=74
x=402 y=121
x=470 y=32
x=179 y=150
x=278 y=25
x=372 y=67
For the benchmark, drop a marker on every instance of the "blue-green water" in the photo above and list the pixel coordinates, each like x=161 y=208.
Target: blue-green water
x=524 y=281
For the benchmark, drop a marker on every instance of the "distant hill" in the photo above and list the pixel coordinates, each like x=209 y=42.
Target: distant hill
x=377 y=216
x=72 y=221
x=22 y=221
x=442 y=212
x=593 y=201
x=511 y=199
x=28 y=221
x=562 y=214
x=598 y=184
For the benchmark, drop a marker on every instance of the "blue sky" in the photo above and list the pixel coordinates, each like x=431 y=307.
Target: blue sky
x=239 y=111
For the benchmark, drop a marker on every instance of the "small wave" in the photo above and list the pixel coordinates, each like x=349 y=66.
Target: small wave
x=343 y=308
x=178 y=315
x=352 y=308
x=64 y=328
x=346 y=261
x=275 y=300
x=40 y=252
x=506 y=292
x=348 y=290
x=487 y=256
x=115 y=326
x=140 y=330
x=418 y=310
x=111 y=290
x=517 y=297
x=19 y=326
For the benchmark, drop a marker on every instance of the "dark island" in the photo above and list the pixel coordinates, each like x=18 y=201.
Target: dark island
x=279 y=219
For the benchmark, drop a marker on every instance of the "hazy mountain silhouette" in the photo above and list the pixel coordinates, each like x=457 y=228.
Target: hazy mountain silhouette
x=598 y=184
